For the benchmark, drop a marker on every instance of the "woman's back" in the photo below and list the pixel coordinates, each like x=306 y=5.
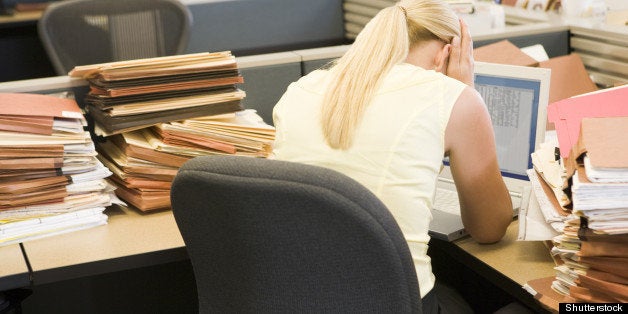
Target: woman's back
x=385 y=114
x=398 y=146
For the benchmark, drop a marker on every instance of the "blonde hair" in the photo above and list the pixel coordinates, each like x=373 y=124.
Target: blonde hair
x=384 y=42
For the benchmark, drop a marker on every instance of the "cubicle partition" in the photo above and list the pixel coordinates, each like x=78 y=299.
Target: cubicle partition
x=316 y=58
x=603 y=47
x=266 y=78
x=555 y=39
x=525 y=31
x=604 y=53
x=48 y=85
x=253 y=27
x=245 y=27
x=248 y=27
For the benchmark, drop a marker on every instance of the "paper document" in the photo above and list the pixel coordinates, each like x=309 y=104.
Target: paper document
x=550 y=210
x=532 y=223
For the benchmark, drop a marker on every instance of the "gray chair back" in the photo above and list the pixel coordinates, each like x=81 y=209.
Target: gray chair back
x=80 y=32
x=281 y=237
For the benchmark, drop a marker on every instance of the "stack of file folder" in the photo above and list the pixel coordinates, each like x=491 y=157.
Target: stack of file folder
x=594 y=243
x=155 y=114
x=50 y=179
x=144 y=162
x=589 y=192
x=130 y=95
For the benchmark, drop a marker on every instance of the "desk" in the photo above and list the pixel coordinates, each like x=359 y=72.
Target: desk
x=129 y=240
x=137 y=263
x=18 y=18
x=531 y=258
x=505 y=266
x=14 y=271
x=133 y=241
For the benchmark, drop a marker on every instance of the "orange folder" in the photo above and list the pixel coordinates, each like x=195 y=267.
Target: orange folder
x=34 y=113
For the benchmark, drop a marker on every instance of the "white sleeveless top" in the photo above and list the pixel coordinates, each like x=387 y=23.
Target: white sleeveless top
x=397 y=151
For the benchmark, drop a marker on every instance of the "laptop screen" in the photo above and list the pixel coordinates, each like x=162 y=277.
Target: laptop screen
x=516 y=98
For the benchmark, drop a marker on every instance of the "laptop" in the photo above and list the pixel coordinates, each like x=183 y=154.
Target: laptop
x=517 y=99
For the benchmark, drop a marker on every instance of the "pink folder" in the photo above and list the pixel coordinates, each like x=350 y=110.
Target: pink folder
x=567 y=114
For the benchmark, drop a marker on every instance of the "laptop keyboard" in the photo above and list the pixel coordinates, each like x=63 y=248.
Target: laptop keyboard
x=447 y=201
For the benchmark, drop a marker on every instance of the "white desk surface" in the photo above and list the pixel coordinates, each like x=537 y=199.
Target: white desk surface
x=129 y=240
x=13 y=269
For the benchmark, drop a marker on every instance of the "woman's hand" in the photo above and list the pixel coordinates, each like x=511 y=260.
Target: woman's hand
x=460 y=64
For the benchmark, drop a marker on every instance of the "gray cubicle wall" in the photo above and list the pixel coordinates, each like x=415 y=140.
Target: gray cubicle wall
x=604 y=53
x=316 y=58
x=248 y=27
x=245 y=27
x=49 y=85
x=555 y=43
x=266 y=78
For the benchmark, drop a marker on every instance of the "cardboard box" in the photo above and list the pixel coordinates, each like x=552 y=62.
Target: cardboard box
x=503 y=52
x=569 y=77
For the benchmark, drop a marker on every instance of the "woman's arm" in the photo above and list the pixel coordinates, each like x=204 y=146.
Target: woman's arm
x=485 y=203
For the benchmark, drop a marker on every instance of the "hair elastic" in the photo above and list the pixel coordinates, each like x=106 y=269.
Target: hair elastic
x=403 y=9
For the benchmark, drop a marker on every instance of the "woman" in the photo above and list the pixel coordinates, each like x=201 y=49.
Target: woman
x=388 y=111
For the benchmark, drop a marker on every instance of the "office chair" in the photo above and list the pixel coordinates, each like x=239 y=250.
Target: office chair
x=275 y=236
x=80 y=32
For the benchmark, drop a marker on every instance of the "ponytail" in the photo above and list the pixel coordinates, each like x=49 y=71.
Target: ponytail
x=384 y=42
x=356 y=76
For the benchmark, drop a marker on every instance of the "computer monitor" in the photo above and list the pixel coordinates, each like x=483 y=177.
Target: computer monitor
x=517 y=99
